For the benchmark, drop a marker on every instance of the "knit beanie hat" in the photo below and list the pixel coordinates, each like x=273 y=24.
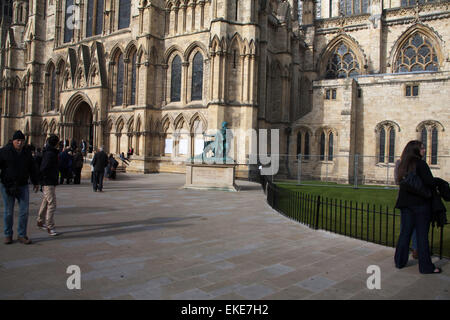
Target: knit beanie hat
x=53 y=140
x=18 y=135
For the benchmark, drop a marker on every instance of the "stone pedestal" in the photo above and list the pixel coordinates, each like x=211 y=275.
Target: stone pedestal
x=210 y=176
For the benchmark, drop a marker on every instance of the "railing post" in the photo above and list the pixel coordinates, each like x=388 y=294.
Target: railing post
x=317 y=212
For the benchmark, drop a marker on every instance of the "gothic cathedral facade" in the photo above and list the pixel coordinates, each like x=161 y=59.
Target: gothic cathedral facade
x=337 y=78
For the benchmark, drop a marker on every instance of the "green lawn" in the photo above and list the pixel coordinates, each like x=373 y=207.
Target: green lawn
x=366 y=214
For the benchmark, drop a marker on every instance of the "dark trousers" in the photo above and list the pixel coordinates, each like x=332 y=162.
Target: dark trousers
x=77 y=175
x=65 y=173
x=98 y=180
x=419 y=218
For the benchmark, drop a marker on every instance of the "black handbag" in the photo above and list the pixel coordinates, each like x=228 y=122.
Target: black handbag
x=413 y=184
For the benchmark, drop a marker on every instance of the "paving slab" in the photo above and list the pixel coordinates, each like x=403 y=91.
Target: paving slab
x=145 y=237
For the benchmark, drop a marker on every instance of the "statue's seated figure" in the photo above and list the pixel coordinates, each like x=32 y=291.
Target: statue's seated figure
x=216 y=146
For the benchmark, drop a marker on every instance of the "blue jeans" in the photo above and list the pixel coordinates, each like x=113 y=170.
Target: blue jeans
x=8 y=203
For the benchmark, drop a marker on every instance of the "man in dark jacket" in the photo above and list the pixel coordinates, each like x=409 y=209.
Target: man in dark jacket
x=49 y=180
x=65 y=166
x=17 y=166
x=77 y=166
x=100 y=161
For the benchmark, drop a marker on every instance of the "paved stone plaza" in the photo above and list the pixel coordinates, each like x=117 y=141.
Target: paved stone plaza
x=146 y=238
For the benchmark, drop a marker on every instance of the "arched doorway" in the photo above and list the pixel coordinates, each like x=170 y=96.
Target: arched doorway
x=82 y=124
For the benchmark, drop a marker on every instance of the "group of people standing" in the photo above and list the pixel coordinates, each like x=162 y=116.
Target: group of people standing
x=56 y=162
x=18 y=166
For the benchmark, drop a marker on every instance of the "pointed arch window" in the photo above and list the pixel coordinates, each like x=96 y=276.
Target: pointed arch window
x=124 y=13
x=175 y=80
x=119 y=80
x=52 y=89
x=391 y=145
x=416 y=54
x=197 y=77
x=424 y=139
x=69 y=21
x=382 y=145
x=94 y=24
x=342 y=63
x=322 y=146
x=429 y=135
x=434 y=146
x=133 y=79
x=386 y=143
x=330 y=146
x=303 y=144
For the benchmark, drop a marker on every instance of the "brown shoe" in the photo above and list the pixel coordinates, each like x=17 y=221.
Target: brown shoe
x=24 y=240
x=415 y=254
x=8 y=240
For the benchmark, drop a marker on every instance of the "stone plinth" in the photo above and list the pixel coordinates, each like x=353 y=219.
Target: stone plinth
x=210 y=176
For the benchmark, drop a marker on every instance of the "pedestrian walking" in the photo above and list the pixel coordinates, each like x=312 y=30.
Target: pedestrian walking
x=17 y=167
x=415 y=255
x=415 y=209
x=49 y=180
x=100 y=161
x=77 y=166
x=112 y=167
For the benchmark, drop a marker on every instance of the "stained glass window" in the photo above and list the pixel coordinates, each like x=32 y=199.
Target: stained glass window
x=175 y=82
x=342 y=63
x=322 y=146
x=417 y=54
x=53 y=89
x=197 y=77
x=424 y=138
x=90 y=18
x=124 y=13
x=391 y=145
x=382 y=145
x=434 y=146
x=133 y=80
x=299 y=143
x=330 y=147
x=99 y=17
x=119 y=86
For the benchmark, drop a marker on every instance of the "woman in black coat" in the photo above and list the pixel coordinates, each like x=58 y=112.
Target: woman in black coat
x=415 y=210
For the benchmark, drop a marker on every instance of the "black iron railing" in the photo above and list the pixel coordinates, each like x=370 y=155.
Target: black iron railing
x=367 y=222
